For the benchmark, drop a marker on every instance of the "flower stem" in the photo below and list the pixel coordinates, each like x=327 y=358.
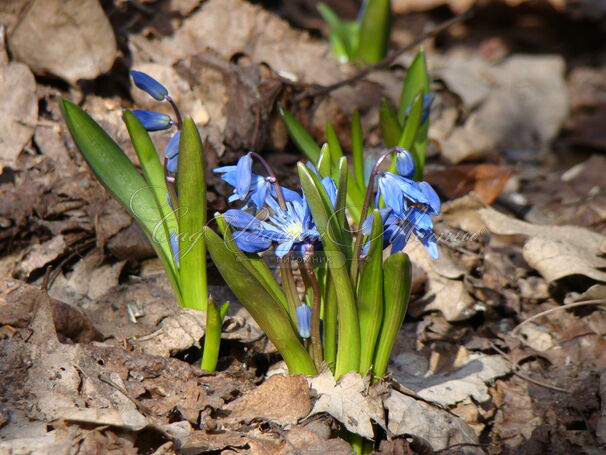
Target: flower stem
x=273 y=178
x=367 y=199
x=316 y=340
x=177 y=111
x=290 y=288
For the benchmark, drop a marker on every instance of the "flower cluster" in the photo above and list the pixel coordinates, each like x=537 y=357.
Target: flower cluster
x=290 y=226
x=409 y=206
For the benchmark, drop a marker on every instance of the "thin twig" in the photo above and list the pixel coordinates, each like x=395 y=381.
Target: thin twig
x=140 y=406
x=516 y=367
x=553 y=310
x=323 y=90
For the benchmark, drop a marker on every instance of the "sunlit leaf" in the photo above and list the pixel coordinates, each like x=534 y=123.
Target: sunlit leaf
x=397 y=276
x=374 y=31
x=265 y=310
x=120 y=177
x=370 y=294
x=300 y=136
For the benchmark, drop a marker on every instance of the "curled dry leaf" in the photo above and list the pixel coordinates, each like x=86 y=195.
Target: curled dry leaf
x=451 y=387
x=444 y=294
x=554 y=251
x=71 y=39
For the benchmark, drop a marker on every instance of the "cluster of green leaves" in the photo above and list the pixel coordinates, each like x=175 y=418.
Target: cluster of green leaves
x=145 y=198
x=363 y=304
x=403 y=127
x=364 y=40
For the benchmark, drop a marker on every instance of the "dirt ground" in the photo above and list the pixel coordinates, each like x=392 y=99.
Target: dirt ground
x=501 y=352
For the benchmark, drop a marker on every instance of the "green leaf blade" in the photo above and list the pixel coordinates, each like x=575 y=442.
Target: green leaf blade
x=303 y=140
x=265 y=310
x=191 y=184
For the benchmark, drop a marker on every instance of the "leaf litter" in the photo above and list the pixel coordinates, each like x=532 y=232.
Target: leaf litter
x=93 y=365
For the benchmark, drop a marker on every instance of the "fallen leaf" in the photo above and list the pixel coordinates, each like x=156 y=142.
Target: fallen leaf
x=38 y=255
x=438 y=427
x=520 y=103
x=347 y=400
x=449 y=296
x=281 y=399
x=451 y=387
x=487 y=180
x=18 y=108
x=554 y=251
x=70 y=39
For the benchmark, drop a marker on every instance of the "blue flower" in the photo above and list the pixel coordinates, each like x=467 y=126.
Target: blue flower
x=290 y=228
x=150 y=85
x=427 y=102
x=247 y=186
x=171 y=153
x=304 y=320
x=174 y=246
x=153 y=121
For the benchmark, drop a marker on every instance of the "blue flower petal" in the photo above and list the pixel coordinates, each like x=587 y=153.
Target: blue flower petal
x=224 y=169
x=433 y=200
x=174 y=246
x=150 y=85
x=251 y=242
x=241 y=220
x=260 y=191
x=172 y=165
x=304 y=320
x=283 y=248
x=243 y=175
x=405 y=163
x=172 y=148
x=153 y=121
x=331 y=190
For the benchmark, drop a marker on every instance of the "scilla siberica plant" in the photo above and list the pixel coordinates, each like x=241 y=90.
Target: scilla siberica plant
x=168 y=201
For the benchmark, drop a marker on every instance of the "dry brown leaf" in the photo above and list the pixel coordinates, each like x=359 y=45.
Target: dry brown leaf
x=449 y=388
x=517 y=104
x=281 y=399
x=449 y=296
x=71 y=39
x=348 y=401
x=554 y=251
x=458 y=6
x=38 y=255
x=440 y=428
x=18 y=108
x=487 y=180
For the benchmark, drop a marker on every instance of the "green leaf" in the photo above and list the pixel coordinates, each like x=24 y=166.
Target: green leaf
x=191 y=183
x=397 y=276
x=348 y=356
x=253 y=263
x=120 y=177
x=212 y=336
x=343 y=196
x=300 y=136
x=411 y=131
x=374 y=31
x=265 y=310
x=152 y=170
x=417 y=79
x=357 y=151
x=391 y=130
x=324 y=165
x=370 y=294
x=336 y=152
x=330 y=322
x=342 y=35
